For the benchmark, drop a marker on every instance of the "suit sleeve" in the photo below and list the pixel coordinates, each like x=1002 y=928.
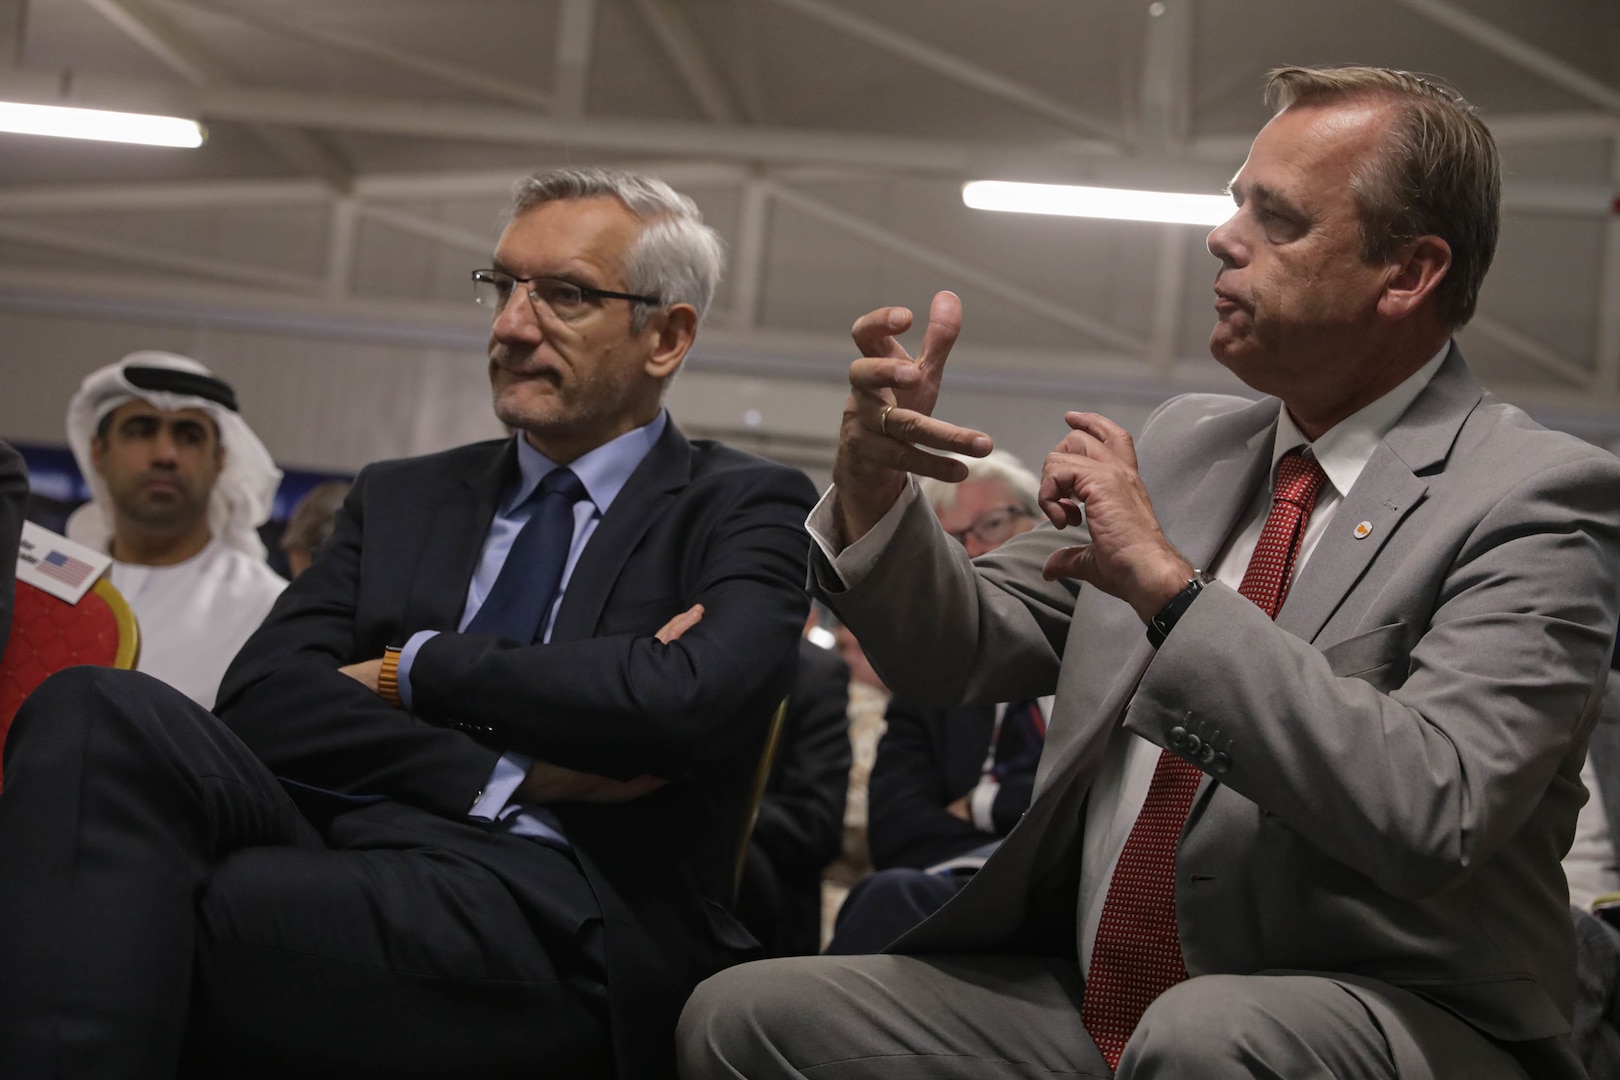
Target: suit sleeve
x=309 y=722
x=1416 y=751
x=907 y=823
x=13 y=496
x=623 y=705
x=972 y=632
x=801 y=816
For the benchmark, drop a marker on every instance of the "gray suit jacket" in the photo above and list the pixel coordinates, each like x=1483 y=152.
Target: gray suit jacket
x=1395 y=760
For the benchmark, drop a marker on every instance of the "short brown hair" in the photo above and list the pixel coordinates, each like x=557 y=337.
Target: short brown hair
x=1440 y=175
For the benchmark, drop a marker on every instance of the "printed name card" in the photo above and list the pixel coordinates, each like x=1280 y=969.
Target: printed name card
x=56 y=564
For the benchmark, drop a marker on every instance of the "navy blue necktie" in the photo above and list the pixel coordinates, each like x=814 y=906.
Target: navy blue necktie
x=516 y=606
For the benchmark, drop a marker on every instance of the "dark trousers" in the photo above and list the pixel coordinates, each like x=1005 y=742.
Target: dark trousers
x=165 y=908
x=886 y=904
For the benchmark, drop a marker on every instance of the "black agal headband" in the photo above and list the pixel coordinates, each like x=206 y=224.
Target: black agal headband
x=172 y=381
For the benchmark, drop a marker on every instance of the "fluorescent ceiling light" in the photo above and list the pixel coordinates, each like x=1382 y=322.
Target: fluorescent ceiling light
x=99 y=124
x=1116 y=203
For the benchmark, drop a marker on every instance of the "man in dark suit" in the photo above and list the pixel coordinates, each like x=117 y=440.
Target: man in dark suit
x=474 y=804
x=13 y=496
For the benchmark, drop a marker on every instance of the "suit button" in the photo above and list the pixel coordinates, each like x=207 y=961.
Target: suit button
x=1178 y=736
x=1193 y=744
x=1220 y=764
x=1207 y=754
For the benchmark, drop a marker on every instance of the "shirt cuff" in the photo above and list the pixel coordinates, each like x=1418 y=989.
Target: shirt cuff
x=853 y=563
x=407 y=657
x=982 y=803
x=501 y=785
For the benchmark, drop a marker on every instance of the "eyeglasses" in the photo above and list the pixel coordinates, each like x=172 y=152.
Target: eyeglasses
x=993 y=526
x=565 y=299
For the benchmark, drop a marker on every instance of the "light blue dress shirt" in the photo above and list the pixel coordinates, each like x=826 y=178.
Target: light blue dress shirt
x=603 y=472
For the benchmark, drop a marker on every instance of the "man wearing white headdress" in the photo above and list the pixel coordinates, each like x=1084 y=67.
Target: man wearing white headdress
x=179 y=484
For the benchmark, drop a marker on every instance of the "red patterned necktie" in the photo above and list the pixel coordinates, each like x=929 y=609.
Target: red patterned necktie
x=1137 y=954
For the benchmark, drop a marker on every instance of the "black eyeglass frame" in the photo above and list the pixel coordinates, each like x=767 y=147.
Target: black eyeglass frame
x=1011 y=509
x=586 y=292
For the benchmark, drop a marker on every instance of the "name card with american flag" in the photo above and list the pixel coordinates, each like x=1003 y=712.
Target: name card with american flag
x=56 y=564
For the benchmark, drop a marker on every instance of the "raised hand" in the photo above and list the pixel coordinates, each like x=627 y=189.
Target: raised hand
x=1129 y=557
x=889 y=415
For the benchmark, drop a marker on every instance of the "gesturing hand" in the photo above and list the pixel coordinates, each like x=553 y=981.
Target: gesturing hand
x=1095 y=467
x=889 y=414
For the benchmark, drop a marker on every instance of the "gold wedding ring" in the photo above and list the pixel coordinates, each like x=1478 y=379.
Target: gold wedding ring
x=883 y=418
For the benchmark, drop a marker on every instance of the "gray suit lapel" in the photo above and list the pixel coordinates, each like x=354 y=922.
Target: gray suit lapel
x=1383 y=495
x=1388 y=489
x=1204 y=523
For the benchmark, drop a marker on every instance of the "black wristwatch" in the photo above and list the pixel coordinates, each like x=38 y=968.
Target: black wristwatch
x=1159 y=627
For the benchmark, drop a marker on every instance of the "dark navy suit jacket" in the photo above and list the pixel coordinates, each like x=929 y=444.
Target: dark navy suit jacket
x=696 y=523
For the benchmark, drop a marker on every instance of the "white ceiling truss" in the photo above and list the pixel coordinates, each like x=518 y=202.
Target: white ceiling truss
x=824 y=138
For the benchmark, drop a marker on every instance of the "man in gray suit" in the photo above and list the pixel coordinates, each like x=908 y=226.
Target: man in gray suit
x=1310 y=824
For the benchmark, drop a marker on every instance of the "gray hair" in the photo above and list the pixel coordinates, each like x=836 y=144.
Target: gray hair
x=1021 y=484
x=676 y=257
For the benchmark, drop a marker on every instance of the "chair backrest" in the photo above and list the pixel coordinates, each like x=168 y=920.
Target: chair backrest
x=49 y=634
x=756 y=792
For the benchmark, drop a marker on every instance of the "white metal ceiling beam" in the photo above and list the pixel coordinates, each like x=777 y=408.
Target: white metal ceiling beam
x=1536 y=129
x=103 y=249
x=417 y=324
x=371 y=49
x=1487 y=35
x=162 y=39
x=1166 y=124
x=571 y=60
x=680 y=43
x=13 y=32
x=752 y=246
x=1608 y=330
x=436 y=119
x=422 y=228
x=342 y=232
x=163 y=196
x=1527 y=348
x=1585 y=200
x=475 y=184
x=953 y=67
x=1169 y=296
x=1017 y=296
x=1167 y=70
x=176 y=50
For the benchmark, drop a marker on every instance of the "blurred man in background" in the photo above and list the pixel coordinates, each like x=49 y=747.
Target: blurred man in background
x=948 y=783
x=310 y=524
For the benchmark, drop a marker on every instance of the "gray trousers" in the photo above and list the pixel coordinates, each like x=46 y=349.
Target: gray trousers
x=973 y=1017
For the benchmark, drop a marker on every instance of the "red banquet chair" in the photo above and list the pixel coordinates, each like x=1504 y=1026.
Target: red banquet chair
x=48 y=634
